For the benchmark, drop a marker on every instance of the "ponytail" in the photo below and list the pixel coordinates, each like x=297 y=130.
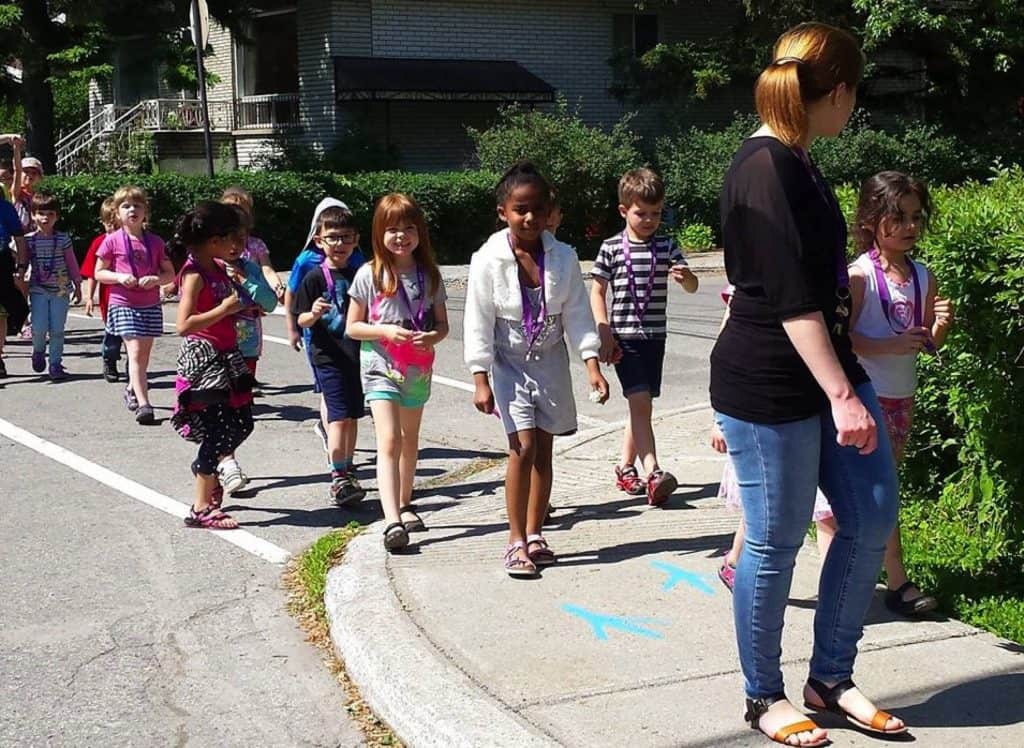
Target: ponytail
x=808 y=62
x=207 y=220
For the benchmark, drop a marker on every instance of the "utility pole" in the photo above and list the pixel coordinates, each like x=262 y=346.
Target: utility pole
x=200 y=24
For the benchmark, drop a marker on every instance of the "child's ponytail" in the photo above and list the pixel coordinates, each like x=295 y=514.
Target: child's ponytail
x=209 y=219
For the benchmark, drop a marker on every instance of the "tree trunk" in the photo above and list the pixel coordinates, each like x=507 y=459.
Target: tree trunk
x=36 y=93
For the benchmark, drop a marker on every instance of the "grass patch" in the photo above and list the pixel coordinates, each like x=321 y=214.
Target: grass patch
x=305 y=580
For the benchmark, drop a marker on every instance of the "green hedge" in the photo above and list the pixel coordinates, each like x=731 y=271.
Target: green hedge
x=695 y=161
x=459 y=205
x=962 y=482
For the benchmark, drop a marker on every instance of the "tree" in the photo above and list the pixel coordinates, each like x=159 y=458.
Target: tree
x=971 y=55
x=71 y=41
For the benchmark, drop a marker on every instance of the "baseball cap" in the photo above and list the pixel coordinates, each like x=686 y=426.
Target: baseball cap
x=31 y=162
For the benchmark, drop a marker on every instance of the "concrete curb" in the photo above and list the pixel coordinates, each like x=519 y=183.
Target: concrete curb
x=404 y=678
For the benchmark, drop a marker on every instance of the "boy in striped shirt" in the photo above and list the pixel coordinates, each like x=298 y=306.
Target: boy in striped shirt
x=636 y=264
x=55 y=283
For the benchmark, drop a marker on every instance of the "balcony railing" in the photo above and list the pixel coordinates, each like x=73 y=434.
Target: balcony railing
x=267 y=111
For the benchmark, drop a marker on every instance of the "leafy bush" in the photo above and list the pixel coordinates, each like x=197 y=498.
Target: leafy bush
x=694 y=162
x=459 y=205
x=693 y=165
x=583 y=163
x=964 y=472
x=694 y=237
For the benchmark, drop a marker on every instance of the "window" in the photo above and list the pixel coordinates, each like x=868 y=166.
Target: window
x=267 y=58
x=637 y=33
x=135 y=72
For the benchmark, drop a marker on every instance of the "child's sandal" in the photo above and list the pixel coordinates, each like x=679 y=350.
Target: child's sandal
x=516 y=566
x=538 y=551
x=396 y=536
x=210 y=518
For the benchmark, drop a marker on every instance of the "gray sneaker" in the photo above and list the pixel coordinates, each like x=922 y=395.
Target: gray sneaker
x=345 y=489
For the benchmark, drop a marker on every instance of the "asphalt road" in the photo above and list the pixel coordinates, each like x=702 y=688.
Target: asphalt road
x=122 y=627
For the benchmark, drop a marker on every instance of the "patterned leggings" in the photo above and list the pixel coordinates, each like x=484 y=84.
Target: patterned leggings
x=225 y=428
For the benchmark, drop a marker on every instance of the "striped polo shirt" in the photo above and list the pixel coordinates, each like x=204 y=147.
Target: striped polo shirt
x=611 y=265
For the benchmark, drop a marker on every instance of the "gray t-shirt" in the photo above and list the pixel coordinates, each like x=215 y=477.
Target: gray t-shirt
x=392 y=310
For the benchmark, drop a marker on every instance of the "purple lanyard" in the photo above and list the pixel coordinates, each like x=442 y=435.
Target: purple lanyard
x=332 y=288
x=885 y=297
x=45 y=270
x=421 y=312
x=533 y=320
x=220 y=288
x=131 y=254
x=842 y=273
x=639 y=305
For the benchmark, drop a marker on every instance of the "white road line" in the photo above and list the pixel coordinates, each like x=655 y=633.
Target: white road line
x=241 y=538
x=446 y=381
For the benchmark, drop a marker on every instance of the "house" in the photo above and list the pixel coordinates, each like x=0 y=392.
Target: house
x=412 y=74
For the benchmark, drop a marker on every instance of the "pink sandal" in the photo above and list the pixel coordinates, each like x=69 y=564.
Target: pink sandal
x=516 y=566
x=210 y=518
x=539 y=552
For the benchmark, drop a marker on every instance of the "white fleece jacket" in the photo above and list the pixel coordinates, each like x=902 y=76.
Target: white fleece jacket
x=494 y=292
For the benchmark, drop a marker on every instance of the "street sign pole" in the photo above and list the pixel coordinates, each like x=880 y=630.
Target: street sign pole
x=199 y=18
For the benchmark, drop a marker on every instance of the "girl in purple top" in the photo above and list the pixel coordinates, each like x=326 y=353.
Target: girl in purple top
x=134 y=262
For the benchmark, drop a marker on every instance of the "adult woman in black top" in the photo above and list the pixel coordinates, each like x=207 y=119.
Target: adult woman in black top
x=790 y=398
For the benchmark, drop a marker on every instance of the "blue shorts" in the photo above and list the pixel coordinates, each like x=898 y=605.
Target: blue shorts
x=312 y=367
x=641 y=365
x=342 y=391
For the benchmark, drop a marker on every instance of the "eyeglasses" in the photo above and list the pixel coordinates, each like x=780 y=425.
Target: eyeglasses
x=339 y=239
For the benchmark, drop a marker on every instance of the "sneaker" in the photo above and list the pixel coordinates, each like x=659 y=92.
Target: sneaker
x=231 y=476
x=58 y=373
x=345 y=489
x=318 y=427
x=145 y=416
x=660 y=485
x=26 y=333
x=38 y=362
x=110 y=371
x=130 y=401
x=627 y=479
x=727 y=574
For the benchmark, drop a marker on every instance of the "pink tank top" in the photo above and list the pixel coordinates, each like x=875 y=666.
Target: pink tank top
x=216 y=288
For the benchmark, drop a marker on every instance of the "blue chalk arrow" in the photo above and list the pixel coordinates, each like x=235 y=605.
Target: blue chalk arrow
x=677 y=575
x=599 y=623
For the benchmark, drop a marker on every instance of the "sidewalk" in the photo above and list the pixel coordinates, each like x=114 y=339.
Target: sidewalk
x=629 y=639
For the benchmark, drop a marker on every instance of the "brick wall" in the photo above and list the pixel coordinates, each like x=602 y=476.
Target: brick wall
x=220 y=62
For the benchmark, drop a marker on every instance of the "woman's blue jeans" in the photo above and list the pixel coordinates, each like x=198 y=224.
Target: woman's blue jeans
x=778 y=467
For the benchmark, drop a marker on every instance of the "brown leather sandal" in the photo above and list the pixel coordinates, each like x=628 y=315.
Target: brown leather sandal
x=830 y=698
x=757 y=708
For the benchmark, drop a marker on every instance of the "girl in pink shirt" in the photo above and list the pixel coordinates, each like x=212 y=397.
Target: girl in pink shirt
x=213 y=384
x=133 y=261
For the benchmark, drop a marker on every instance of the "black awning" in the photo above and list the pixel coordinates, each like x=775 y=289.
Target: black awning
x=409 y=79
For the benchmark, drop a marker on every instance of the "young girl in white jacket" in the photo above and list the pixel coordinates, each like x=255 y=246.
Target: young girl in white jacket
x=525 y=295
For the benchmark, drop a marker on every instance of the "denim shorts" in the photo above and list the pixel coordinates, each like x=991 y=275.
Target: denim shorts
x=342 y=391
x=639 y=370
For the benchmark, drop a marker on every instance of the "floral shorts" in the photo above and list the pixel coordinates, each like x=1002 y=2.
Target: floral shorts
x=899 y=417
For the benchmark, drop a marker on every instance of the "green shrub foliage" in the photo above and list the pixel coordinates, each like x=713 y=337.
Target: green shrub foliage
x=962 y=479
x=694 y=162
x=583 y=164
x=459 y=205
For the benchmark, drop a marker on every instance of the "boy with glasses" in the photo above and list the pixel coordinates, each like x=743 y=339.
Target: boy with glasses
x=320 y=308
